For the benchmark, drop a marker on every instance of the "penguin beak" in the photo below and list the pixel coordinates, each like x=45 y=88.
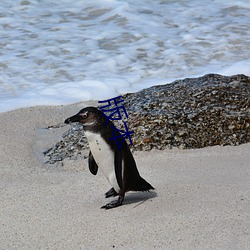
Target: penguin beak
x=74 y=118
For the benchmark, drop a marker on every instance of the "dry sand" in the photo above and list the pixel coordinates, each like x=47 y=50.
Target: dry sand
x=201 y=201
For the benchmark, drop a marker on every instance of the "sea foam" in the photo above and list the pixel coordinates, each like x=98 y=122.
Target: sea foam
x=64 y=52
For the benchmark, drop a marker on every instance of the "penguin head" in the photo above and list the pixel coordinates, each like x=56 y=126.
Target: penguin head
x=88 y=117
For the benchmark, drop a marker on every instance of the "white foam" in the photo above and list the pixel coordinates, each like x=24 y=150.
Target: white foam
x=63 y=52
x=242 y=67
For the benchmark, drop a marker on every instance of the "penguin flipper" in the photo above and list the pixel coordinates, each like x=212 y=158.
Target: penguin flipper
x=118 y=167
x=93 y=167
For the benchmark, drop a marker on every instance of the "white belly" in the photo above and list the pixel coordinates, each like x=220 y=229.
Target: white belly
x=104 y=157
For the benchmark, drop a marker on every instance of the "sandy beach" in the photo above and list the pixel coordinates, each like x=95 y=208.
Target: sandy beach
x=201 y=198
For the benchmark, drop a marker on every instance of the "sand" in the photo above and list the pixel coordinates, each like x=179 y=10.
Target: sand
x=201 y=200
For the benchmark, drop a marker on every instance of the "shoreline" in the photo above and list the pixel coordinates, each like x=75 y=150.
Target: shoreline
x=201 y=198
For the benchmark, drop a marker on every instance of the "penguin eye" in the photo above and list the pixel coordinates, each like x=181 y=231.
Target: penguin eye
x=84 y=115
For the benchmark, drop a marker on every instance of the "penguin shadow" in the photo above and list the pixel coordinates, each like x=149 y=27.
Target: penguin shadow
x=137 y=198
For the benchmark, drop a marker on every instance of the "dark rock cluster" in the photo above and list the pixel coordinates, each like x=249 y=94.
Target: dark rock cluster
x=190 y=113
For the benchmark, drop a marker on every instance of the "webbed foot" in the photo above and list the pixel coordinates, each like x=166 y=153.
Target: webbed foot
x=111 y=193
x=113 y=204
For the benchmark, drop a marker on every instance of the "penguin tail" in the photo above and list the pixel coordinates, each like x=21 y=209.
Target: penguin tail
x=142 y=185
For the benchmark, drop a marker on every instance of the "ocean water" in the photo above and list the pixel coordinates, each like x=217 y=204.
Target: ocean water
x=61 y=52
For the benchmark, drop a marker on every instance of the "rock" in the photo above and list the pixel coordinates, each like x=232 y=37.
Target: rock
x=190 y=113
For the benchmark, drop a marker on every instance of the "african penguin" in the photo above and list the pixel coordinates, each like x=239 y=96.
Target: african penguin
x=117 y=165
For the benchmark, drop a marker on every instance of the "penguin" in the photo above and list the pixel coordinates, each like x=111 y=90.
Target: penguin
x=117 y=165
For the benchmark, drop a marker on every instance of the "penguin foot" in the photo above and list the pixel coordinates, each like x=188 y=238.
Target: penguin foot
x=111 y=193
x=113 y=204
